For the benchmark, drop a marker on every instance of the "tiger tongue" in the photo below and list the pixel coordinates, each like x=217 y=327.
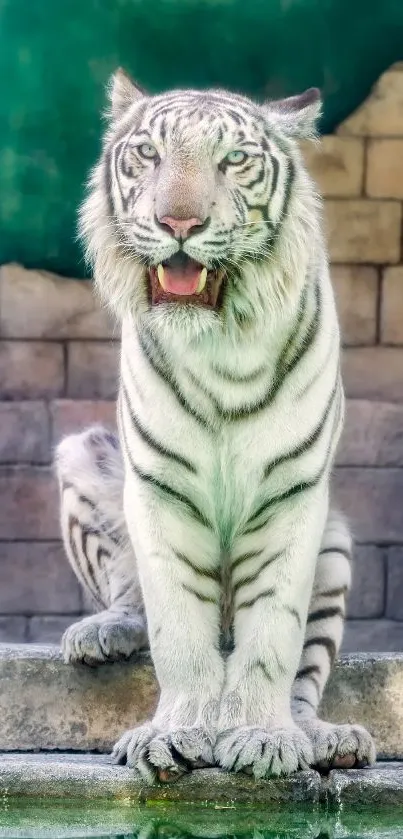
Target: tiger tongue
x=181 y=280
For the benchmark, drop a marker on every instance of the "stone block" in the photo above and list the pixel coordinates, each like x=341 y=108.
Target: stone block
x=336 y=164
x=373 y=373
x=367 y=597
x=72 y=415
x=372 y=499
x=372 y=435
x=71 y=707
x=373 y=636
x=381 y=115
x=92 y=369
x=31 y=369
x=83 y=708
x=36 y=578
x=394 y=587
x=384 y=171
x=392 y=305
x=368 y=689
x=48 y=629
x=363 y=230
x=37 y=304
x=357 y=793
x=90 y=778
x=28 y=504
x=13 y=629
x=24 y=432
x=356 y=291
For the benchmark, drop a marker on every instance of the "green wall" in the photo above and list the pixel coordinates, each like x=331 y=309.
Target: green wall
x=56 y=55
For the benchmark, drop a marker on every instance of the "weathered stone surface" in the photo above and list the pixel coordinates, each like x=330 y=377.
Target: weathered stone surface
x=48 y=629
x=392 y=305
x=373 y=499
x=384 y=175
x=381 y=785
x=363 y=230
x=92 y=369
x=394 y=589
x=367 y=597
x=24 y=432
x=356 y=291
x=373 y=373
x=70 y=707
x=336 y=164
x=36 y=578
x=83 y=708
x=368 y=689
x=93 y=776
x=72 y=415
x=13 y=629
x=372 y=435
x=28 y=503
x=31 y=369
x=373 y=636
x=37 y=304
x=381 y=115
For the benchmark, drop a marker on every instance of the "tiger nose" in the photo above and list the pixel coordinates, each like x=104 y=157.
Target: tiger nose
x=181 y=228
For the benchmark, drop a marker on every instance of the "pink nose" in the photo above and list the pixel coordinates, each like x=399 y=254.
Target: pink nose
x=181 y=227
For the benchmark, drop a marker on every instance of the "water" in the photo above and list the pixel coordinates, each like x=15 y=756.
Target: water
x=30 y=819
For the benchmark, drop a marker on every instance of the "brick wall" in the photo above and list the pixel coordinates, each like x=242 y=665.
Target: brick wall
x=58 y=373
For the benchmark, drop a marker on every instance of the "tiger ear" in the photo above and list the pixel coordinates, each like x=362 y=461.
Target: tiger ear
x=123 y=92
x=297 y=116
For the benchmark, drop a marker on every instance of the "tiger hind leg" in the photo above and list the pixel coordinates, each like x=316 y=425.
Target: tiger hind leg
x=90 y=473
x=334 y=746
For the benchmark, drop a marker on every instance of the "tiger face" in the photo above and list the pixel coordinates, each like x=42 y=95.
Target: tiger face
x=193 y=192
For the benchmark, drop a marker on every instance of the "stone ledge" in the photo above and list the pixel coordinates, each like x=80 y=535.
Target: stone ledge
x=46 y=704
x=90 y=777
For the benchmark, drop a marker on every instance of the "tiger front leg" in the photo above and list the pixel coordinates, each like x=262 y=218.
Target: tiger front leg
x=273 y=570
x=177 y=558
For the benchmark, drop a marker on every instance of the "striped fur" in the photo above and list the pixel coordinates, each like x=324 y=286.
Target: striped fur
x=229 y=419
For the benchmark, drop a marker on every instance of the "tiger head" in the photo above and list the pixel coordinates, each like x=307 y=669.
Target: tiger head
x=200 y=214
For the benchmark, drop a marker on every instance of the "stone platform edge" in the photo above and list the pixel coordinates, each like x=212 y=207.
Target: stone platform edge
x=48 y=705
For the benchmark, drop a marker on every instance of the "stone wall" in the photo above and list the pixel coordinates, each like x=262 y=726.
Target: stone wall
x=58 y=373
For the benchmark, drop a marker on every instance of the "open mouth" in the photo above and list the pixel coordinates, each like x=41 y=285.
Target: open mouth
x=183 y=280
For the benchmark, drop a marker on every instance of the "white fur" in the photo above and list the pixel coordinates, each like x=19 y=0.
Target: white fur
x=193 y=511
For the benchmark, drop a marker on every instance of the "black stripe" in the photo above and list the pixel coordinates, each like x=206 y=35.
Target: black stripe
x=322 y=614
x=294 y=613
x=247 y=604
x=296 y=489
x=149 y=346
x=303 y=447
x=171 y=494
x=333 y=592
x=259 y=664
x=151 y=441
x=229 y=376
x=335 y=550
x=310 y=670
x=322 y=641
x=202 y=597
x=89 y=581
x=304 y=699
x=310 y=334
x=245 y=557
x=276 y=167
x=244 y=581
x=281 y=372
x=201 y=572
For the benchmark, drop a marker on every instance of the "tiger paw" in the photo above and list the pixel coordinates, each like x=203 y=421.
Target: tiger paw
x=104 y=637
x=339 y=746
x=264 y=752
x=164 y=756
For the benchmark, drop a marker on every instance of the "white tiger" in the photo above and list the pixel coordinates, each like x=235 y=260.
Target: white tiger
x=203 y=229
